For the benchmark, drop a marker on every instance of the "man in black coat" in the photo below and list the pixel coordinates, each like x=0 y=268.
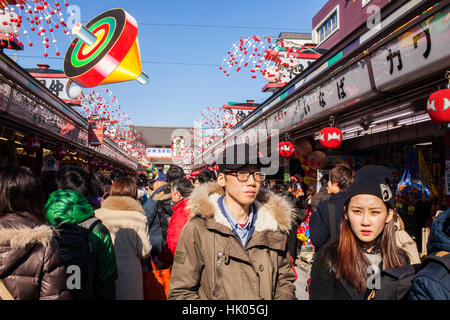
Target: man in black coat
x=158 y=210
x=324 y=227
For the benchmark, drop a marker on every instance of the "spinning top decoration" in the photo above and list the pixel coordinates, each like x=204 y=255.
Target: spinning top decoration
x=105 y=51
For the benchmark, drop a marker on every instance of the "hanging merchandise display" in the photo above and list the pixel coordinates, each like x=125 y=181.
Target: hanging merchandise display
x=105 y=51
x=317 y=160
x=412 y=187
x=303 y=230
x=50 y=164
x=427 y=175
x=303 y=147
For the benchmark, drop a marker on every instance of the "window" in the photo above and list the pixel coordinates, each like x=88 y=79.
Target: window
x=364 y=3
x=328 y=26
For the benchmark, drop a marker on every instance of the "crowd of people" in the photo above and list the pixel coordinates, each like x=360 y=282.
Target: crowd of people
x=231 y=235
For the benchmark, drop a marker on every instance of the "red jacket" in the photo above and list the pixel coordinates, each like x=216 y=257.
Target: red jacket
x=178 y=220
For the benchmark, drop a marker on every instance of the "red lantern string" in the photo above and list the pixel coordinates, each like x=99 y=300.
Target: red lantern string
x=265 y=57
x=39 y=14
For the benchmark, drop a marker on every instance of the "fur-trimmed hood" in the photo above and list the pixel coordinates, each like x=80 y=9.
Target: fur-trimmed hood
x=122 y=204
x=274 y=212
x=19 y=238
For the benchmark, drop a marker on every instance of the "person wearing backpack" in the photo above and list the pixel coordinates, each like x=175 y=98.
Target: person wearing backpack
x=86 y=243
x=31 y=266
x=432 y=282
x=349 y=268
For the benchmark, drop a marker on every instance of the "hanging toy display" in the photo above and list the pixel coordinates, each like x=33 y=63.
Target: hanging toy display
x=105 y=51
x=412 y=187
x=27 y=17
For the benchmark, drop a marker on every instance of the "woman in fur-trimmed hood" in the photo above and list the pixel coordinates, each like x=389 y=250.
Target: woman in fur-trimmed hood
x=211 y=262
x=125 y=219
x=31 y=266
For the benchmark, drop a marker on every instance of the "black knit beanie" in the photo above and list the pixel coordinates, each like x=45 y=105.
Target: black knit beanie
x=374 y=180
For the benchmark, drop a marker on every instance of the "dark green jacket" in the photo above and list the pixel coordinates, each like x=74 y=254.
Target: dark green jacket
x=72 y=207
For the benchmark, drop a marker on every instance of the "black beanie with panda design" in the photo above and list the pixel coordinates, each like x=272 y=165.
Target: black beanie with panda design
x=373 y=180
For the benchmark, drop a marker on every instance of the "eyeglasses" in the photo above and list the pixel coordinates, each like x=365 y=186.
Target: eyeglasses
x=243 y=176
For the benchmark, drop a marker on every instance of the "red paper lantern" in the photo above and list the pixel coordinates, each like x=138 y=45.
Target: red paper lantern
x=60 y=152
x=93 y=163
x=286 y=149
x=105 y=165
x=331 y=137
x=439 y=106
x=32 y=144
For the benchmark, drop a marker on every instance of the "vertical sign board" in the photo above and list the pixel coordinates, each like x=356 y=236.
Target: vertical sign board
x=177 y=146
x=417 y=52
x=5 y=91
x=95 y=135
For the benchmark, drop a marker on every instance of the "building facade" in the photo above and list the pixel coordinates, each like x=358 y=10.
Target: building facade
x=339 y=18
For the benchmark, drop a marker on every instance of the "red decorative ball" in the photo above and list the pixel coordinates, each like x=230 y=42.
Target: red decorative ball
x=32 y=144
x=286 y=149
x=60 y=153
x=331 y=137
x=439 y=106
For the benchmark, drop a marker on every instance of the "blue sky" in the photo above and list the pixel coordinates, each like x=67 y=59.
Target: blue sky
x=179 y=89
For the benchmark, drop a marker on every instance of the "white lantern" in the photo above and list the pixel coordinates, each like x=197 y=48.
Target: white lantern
x=75 y=91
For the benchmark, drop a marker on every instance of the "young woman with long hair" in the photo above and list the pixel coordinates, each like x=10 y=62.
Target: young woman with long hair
x=349 y=268
x=31 y=266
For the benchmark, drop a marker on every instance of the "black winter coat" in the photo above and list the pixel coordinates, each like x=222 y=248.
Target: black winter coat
x=325 y=285
x=319 y=223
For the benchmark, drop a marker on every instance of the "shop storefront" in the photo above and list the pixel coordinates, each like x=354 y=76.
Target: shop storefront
x=376 y=85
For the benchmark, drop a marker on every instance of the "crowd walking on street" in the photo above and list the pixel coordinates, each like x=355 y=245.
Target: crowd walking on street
x=230 y=235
